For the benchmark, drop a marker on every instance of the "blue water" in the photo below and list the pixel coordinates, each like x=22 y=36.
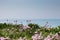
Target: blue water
x=41 y=22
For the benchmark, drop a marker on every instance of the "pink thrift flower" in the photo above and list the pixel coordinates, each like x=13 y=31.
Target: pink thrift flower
x=35 y=36
x=47 y=26
x=56 y=36
x=48 y=38
x=2 y=38
x=26 y=27
x=20 y=38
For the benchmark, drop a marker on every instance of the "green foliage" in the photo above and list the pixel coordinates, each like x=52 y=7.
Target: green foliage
x=33 y=25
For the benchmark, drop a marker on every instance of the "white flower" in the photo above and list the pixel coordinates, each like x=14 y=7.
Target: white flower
x=7 y=29
x=12 y=28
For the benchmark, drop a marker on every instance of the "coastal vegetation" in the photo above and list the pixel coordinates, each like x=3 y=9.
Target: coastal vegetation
x=19 y=31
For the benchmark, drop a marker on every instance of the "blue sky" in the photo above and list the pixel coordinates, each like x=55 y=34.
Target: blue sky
x=30 y=9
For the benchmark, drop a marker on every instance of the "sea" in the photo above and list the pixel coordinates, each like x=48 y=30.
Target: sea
x=41 y=22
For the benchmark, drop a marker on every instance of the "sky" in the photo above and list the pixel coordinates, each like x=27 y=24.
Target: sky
x=30 y=9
